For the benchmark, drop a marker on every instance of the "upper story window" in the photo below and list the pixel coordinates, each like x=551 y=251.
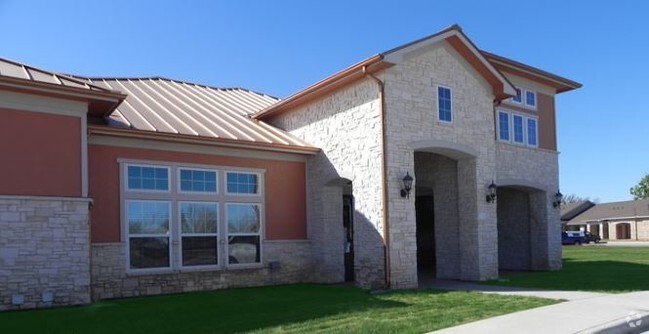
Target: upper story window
x=197 y=180
x=242 y=183
x=524 y=97
x=144 y=177
x=444 y=106
x=517 y=128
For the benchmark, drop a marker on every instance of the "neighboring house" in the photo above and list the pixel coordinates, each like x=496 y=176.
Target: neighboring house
x=628 y=220
x=118 y=187
x=572 y=210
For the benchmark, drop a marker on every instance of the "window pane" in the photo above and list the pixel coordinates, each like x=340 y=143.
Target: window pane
x=197 y=180
x=243 y=218
x=149 y=252
x=531 y=132
x=444 y=104
x=148 y=178
x=530 y=98
x=243 y=249
x=503 y=125
x=148 y=217
x=243 y=183
x=199 y=251
x=199 y=217
x=518 y=128
x=518 y=97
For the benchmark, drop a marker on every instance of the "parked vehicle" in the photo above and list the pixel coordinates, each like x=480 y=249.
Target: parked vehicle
x=573 y=238
x=592 y=237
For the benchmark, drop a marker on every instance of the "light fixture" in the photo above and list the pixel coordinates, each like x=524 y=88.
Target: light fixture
x=558 y=199
x=407 y=185
x=491 y=196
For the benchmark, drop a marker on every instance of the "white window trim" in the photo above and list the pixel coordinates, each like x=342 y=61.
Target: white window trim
x=511 y=99
x=173 y=196
x=217 y=235
x=536 y=99
x=128 y=189
x=513 y=128
x=204 y=193
x=127 y=233
x=437 y=87
x=510 y=122
x=260 y=186
x=260 y=234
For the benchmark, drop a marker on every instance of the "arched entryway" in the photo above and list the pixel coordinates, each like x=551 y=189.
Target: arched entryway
x=522 y=231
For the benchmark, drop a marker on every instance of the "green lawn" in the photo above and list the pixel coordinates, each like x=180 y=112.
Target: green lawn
x=592 y=268
x=285 y=309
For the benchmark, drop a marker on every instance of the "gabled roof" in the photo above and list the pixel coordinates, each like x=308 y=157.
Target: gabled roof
x=24 y=78
x=613 y=211
x=571 y=210
x=502 y=88
x=559 y=83
x=193 y=112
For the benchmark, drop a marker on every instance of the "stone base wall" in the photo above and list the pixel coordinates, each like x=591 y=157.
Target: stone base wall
x=44 y=252
x=110 y=280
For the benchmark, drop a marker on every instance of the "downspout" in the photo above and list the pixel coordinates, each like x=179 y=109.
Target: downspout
x=384 y=185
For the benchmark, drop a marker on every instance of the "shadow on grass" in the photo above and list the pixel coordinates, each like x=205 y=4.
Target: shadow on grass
x=601 y=276
x=226 y=311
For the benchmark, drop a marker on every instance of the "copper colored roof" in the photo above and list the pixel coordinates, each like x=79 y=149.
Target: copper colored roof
x=175 y=107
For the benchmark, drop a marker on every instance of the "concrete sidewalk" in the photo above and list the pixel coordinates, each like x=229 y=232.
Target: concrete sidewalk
x=608 y=313
x=582 y=312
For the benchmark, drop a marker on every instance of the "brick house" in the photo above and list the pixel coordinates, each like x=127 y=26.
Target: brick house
x=119 y=187
x=626 y=220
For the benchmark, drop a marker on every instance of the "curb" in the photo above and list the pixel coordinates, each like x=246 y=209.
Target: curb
x=623 y=325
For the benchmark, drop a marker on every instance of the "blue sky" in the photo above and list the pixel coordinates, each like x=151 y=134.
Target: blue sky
x=278 y=47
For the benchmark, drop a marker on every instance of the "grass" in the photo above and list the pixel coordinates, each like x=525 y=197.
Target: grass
x=591 y=268
x=280 y=309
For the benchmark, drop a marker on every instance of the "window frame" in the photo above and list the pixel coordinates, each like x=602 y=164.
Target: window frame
x=174 y=196
x=259 y=234
x=260 y=184
x=513 y=127
x=179 y=169
x=510 y=123
x=536 y=99
x=219 y=261
x=128 y=235
x=129 y=189
x=518 y=90
x=450 y=92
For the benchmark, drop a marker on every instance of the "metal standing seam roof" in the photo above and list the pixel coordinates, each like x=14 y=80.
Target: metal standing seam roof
x=613 y=211
x=176 y=107
x=12 y=69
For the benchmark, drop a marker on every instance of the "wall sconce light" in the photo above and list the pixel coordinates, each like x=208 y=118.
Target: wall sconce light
x=558 y=199
x=491 y=196
x=407 y=185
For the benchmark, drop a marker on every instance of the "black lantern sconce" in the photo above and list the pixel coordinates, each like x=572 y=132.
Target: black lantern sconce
x=558 y=199
x=491 y=195
x=407 y=185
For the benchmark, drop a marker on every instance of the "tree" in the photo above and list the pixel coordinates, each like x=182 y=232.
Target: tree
x=641 y=190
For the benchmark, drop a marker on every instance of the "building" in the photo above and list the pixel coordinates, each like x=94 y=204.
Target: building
x=121 y=187
x=627 y=220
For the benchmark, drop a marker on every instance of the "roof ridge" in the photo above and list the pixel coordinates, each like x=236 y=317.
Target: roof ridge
x=172 y=80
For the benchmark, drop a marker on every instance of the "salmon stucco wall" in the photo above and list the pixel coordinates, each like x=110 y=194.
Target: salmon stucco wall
x=284 y=189
x=43 y=152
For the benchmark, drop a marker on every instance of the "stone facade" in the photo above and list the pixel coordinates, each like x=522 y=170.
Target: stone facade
x=110 y=279
x=346 y=126
x=44 y=257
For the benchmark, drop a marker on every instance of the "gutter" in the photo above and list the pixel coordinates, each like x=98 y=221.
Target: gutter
x=384 y=186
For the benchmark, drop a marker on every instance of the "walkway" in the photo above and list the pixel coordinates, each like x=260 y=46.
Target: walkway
x=582 y=312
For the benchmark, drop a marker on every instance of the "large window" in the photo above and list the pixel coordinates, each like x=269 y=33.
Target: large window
x=517 y=128
x=180 y=217
x=524 y=97
x=444 y=106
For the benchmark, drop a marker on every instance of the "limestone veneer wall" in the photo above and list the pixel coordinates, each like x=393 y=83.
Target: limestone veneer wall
x=111 y=280
x=346 y=126
x=44 y=249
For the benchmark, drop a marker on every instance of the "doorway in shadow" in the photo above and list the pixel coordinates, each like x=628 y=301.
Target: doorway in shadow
x=425 y=216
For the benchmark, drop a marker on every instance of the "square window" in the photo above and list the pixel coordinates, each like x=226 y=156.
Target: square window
x=242 y=183
x=444 y=107
x=197 y=180
x=147 y=178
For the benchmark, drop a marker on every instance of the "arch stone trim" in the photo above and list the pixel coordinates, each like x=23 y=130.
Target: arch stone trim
x=522 y=183
x=447 y=148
